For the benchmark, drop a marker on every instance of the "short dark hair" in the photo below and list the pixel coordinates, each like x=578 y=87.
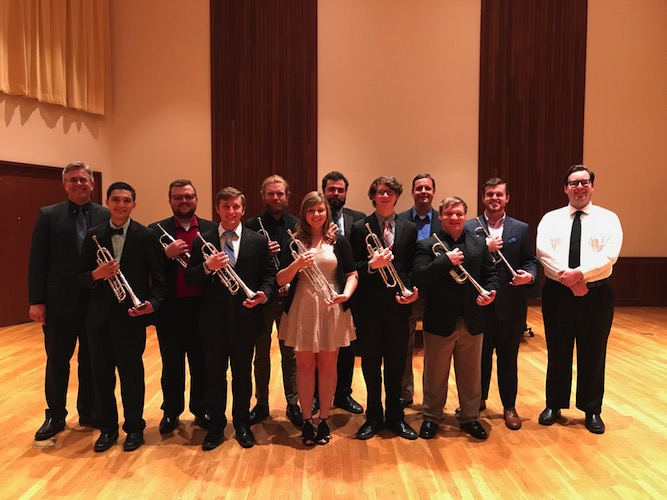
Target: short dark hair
x=229 y=193
x=451 y=201
x=121 y=185
x=181 y=183
x=493 y=182
x=423 y=176
x=390 y=181
x=578 y=168
x=334 y=175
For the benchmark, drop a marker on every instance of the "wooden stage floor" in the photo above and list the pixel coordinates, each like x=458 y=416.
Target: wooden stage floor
x=561 y=461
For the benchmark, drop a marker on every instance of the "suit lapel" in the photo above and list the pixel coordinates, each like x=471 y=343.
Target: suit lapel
x=347 y=223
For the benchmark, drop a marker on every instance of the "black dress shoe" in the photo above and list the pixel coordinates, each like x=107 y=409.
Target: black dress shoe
x=203 y=421
x=133 y=441
x=316 y=406
x=168 y=424
x=294 y=414
x=212 y=440
x=475 y=429
x=405 y=402
x=245 y=437
x=402 y=428
x=105 y=441
x=258 y=413
x=368 y=430
x=549 y=416
x=50 y=427
x=88 y=421
x=348 y=404
x=428 y=429
x=594 y=423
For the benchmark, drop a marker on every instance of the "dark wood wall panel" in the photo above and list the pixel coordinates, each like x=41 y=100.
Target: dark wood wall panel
x=640 y=281
x=531 y=119
x=264 y=95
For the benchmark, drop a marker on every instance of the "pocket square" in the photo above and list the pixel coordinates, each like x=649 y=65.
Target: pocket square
x=513 y=240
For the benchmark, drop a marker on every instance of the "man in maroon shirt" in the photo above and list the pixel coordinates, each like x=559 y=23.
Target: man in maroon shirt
x=177 y=321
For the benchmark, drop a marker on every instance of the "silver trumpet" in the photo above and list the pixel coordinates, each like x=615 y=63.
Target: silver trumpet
x=227 y=275
x=264 y=232
x=496 y=256
x=313 y=273
x=389 y=274
x=119 y=285
x=179 y=258
x=462 y=275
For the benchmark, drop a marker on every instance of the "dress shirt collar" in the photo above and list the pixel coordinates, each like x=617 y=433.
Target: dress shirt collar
x=586 y=209
x=497 y=225
x=381 y=219
x=237 y=230
x=416 y=216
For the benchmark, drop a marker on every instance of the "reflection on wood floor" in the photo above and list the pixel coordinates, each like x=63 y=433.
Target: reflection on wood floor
x=562 y=461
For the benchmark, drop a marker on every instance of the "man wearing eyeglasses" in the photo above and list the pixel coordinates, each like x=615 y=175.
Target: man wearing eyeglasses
x=382 y=310
x=178 y=318
x=56 y=302
x=578 y=246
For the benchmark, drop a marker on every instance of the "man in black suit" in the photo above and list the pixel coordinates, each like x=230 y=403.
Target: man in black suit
x=178 y=319
x=55 y=299
x=426 y=219
x=230 y=322
x=453 y=318
x=275 y=221
x=505 y=322
x=334 y=188
x=382 y=311
x=117 y=327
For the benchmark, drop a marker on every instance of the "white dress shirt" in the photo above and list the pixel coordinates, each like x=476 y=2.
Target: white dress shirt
x=601 y=240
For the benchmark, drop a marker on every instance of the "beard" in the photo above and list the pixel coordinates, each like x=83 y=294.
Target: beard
x=336 y=204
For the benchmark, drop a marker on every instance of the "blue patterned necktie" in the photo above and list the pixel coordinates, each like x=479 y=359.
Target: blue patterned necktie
x=229 y=249
x=81 y=227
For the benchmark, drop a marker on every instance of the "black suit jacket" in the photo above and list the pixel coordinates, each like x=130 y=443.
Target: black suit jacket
x=372 y=295
x=510 y=303
x=141 y=263
x=218 y=306
x=445 y=299
x=349 y=218
x=171 y=266
x=54 y=258
x=435 y=221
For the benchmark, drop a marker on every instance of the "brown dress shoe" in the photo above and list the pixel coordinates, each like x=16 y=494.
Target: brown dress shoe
x=512 y=420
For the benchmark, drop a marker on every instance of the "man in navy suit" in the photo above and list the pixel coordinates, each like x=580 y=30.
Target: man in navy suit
x=55 y=298
x=382 y=310
x=504 y=324
x=117 y=328
x=231 y=322
x=426 y=219
x=178 y=319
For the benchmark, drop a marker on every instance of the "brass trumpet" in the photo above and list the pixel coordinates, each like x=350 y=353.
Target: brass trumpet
x=498 y=255
x=264 y=232
x=313 y=273
x=119 y=285
x=389 y=274
x=179 y=258
x=462 y=275
x=227 y=275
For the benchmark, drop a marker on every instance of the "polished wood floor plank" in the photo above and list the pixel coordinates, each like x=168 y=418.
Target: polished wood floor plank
x=561 y=461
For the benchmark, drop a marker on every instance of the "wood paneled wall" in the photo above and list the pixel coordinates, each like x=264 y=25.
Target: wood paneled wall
x=264 y=96
x=531 y=101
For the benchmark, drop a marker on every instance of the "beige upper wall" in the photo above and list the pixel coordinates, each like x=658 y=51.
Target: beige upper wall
x=162 y=103
x=625 y=126
x=398 y=94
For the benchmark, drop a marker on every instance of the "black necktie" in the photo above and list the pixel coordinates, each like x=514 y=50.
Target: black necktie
x=575 y=241
x=81 y=227
x=118 y=231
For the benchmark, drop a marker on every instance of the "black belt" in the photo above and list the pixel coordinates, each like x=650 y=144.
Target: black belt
x=594 y=284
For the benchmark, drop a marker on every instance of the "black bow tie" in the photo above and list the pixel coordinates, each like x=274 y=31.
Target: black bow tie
x=118 y=231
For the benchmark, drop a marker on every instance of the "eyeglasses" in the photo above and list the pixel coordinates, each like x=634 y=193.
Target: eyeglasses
x=74 y=180
x=181 y=197
x=583 y=182
x=388 y=192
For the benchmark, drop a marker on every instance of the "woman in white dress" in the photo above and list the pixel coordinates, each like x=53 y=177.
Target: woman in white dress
x=316 y=322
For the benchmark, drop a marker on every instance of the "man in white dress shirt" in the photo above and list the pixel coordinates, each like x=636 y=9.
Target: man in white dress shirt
x=577 y=245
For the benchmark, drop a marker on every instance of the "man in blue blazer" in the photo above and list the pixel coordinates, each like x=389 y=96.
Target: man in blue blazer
x=55 y=298
x=505 y=322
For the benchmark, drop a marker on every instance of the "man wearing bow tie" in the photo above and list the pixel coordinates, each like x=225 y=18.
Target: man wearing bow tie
x=56 y=302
